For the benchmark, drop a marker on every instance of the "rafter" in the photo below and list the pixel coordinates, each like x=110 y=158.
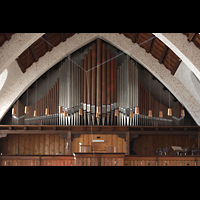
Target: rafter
x=35 y=57
x=21 y=65
x=164 y=52
x=191 y=36
x=149 y=43
x=46 y=37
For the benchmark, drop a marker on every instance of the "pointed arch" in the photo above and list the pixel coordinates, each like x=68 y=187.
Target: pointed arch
x=24 y=80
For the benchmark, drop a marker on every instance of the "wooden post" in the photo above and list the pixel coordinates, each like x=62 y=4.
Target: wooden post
x=69 y=140
x=128 y=143
x=198 y=140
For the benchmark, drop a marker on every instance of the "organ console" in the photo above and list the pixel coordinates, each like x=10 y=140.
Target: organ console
x=99 y=91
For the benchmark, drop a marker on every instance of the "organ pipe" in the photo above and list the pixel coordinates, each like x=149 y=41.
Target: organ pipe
x=101 y=91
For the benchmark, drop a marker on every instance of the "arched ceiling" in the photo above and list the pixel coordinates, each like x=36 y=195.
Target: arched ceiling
x=41 y=44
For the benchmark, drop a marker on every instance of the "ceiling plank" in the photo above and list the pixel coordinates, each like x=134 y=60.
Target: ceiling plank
x=148 y=49
x=164 y=52
x=46 y=37
x=134 y=37
x=35 y=57
x=176 y=66
x=63 y=37
x=22 y=67
x=191 y=36
x=7 y=36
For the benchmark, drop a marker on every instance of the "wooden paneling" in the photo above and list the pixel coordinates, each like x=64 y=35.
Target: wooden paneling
x=44 y=144
x=52 y=144
x=146 y=145
x=140 y=161
x=37 y=161
x=109 y=140
x=97 y=159
x=90 y=159
x=57 y=161
x=177 y=161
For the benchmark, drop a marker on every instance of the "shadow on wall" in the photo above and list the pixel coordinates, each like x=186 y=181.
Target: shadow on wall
x=195 y=81
x=3 y=77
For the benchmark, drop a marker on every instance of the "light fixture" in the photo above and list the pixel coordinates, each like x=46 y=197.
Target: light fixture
x=182 y=113
x=99 y=109
x=131 y=114
x=13 y=111
x=150 y=113
x=169 y=112
x=137 y=110
x=35 y=113
x=116 y=112
x=26 y=111
x=47 y=111
x=161 y=114
x=65 y=113
x=60 y=109
x=80 y=111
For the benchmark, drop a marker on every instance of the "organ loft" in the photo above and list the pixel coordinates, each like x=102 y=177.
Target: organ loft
x=99 y=103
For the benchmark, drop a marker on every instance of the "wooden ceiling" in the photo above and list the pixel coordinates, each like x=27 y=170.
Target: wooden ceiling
x=156 y=47
x=40 y=47
x=4 y=37
x=193 y=37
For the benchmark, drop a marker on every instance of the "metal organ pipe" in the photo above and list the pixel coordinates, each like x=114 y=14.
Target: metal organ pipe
x=93 y=92
x=98 y=88
x=98 y=99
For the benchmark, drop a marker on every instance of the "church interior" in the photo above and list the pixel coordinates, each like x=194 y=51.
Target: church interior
x=99 y=99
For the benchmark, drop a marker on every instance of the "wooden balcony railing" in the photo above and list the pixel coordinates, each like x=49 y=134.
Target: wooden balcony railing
x=98 y=159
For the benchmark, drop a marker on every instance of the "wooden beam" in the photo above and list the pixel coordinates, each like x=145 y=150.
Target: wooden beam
x=63 y=37
x=135 y=130
x=7 y=36
x=69 y=140
x=47 y=40
x=35 y=57
x=191 y=36
x=128 y=143
x=176 y=66
x=134 y=38
x=149 y=43
x=164 y=52
x=22 y=67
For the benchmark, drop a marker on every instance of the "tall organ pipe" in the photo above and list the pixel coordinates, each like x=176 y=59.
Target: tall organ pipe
x=93 y=92
x=85 y=90
x=103 y=83
x=98 y=99
x=108 y=86
x=88 y=75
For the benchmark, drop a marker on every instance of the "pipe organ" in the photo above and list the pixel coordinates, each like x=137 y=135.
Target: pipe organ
x=101 y=90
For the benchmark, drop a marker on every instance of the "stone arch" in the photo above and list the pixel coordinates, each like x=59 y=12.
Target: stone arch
x=15 y=88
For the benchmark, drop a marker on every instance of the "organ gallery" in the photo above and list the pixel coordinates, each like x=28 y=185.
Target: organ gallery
x=99 y=106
